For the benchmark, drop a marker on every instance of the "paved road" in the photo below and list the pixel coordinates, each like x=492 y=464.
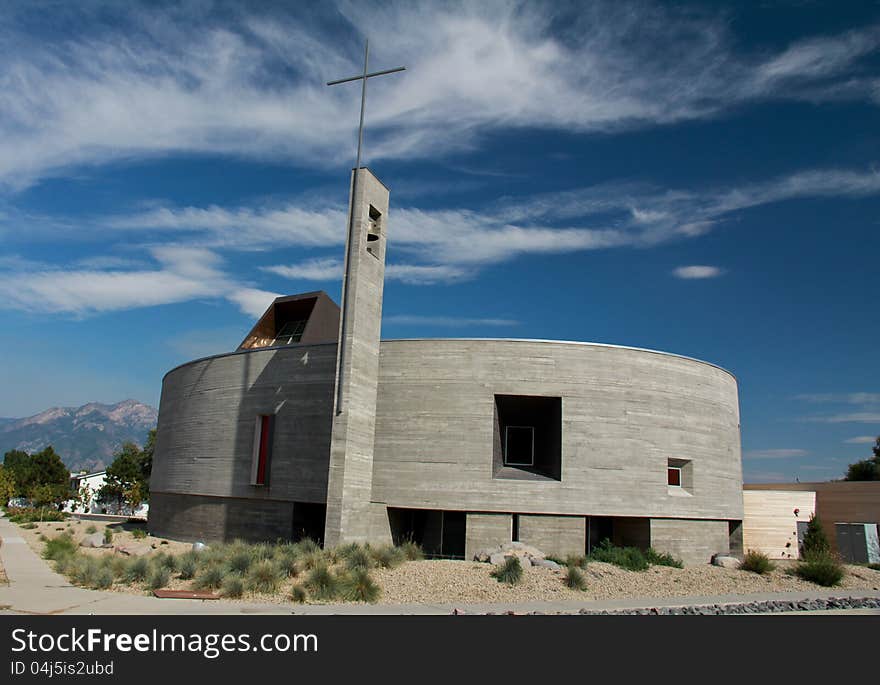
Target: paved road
x=34 y=588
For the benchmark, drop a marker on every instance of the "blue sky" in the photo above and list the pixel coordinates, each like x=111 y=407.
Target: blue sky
x=697 y=178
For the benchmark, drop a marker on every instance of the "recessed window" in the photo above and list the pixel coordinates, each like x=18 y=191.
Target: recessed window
x=680 y=476
x=519 y=445
x=262 y=449
x=527 y=437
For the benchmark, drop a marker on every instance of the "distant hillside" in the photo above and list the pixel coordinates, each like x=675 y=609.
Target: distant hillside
x=86 y=437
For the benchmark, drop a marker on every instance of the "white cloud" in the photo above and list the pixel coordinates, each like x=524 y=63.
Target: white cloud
x=696 y=272
x=841 y=398
x=252 y=301
x=322 y=269
x=446 y=321
x=861 y=440
x=786 y=453
x=855 y=417
x=140 y=81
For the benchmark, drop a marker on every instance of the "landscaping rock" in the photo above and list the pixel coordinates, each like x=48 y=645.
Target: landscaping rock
x=133 y=550
x=199 y=547
x=497 y=558
x=725 y=561
x=546 y=563
x=93 y=540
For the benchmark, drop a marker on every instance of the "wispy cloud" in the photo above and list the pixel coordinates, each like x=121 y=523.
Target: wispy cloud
x=144 y=81
x=841 y=398
x=697 y=272
x=446 y=321
x=854 y=417
x=861 y=440
x=785 y=453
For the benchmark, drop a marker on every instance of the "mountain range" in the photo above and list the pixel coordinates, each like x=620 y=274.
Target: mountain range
x=85 y=437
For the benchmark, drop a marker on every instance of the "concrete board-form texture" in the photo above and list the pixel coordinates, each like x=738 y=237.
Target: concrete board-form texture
x=419 y=430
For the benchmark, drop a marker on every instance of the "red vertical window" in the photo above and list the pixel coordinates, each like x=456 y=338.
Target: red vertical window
x=262 y=449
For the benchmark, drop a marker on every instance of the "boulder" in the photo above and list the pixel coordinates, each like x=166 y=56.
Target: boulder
x=497 y=558
x=546 y=563
x=134 y=550
x=93 y=540
x=725 y=561
x=199 y=547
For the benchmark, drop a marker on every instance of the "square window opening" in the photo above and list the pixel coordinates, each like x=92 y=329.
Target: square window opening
x=527 y=437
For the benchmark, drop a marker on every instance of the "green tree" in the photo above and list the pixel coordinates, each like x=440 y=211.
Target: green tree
x=123 y=474
x=815 y=541
x=18 y=465
x=146 y=464
x=867 y=469
x=7 y=485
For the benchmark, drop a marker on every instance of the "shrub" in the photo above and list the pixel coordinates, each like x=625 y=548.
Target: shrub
x=656 y=558
x=298 y=594
x=359 y=587
x=104 y=578
x=240 y=561
x=509 y=572
x=108 y=536
x=358 y=559
x=262 y=551
x=187 y=566
x=815 y=541
x=287 y=564
x=166 y=561
x=29 y=526
x=756 y=562
x=574 y=578
x=32 y=515
x=91 y=530
x=210 y=578
x=388 y=556
x=58 y=547
x=137 y=570
x=158 y=578
x=118 y=566
x=412 y=551
x=84 y=571
x=232 y=587
x=264 y=576
x=821 y=568
x=312 y=560
x=139 y=533
x=306 y=546
x=630 y=558
x=322 y=584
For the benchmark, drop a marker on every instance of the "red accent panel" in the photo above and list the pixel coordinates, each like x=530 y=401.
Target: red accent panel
x=264 y=450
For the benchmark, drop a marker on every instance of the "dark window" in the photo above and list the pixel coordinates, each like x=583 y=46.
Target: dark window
x=528 y=437
x=514 y=536
x=673 y=476
x=290 y=333
x=262 y=450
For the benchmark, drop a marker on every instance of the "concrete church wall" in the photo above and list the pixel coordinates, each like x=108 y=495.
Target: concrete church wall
x=205 y=436
x=625 y=412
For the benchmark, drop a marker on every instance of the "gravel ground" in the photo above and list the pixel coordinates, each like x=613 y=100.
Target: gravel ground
x=462 y=582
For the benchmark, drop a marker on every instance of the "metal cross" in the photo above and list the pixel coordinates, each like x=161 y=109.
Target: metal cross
x=363 y=78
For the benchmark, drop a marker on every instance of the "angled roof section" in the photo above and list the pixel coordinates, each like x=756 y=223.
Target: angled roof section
x=295 y=319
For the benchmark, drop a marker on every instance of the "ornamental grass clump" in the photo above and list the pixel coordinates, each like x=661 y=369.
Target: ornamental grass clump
x=358 y=558
x=357 y=586
x=158 y=577
x=232 y=587
x=59 y=547
x=510 y=572
x=412 y=551
x=756 y=562
x=108 y=536
x=822 y=568
x=298 y=594
x=287 y=564
x=388 y=556
x=574 y=578
x=240 y=560
x=187 y=565
x=138 y=570
x=209 y=578
x=264 y=577
x=322 y=584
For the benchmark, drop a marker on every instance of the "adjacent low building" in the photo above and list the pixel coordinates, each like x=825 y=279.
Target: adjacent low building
x=458 y=444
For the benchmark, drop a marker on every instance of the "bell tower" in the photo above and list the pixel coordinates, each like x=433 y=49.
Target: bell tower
x=349 y=486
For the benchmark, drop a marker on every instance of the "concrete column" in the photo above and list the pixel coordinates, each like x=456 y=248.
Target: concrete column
x=350 y=515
